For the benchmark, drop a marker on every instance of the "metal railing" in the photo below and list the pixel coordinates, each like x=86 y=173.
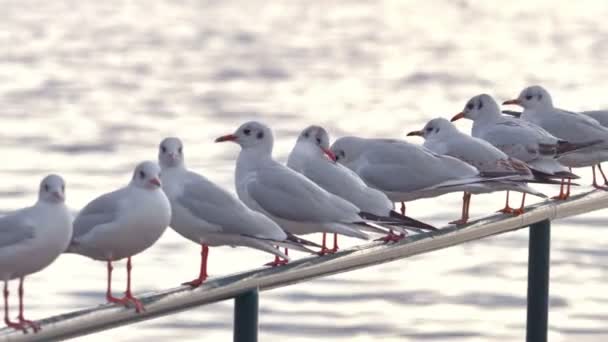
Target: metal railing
x=244 y=286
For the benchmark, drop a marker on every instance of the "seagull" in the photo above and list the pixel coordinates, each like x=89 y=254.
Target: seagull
x=442 y=137
x=570 y=126
x=31 y=239
x=406 y=172
x=123 y=223
x=290 y=199
x=602 y=117
x=520 y=139
x=210 y=216
x=312 y=158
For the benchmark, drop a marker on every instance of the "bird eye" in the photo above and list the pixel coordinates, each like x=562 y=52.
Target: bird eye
x=306 y=135
x=479 y=105
x=46 y=187
x=470 y=106
x=319 y=141
x=437 y=130
x=247 y=131
x=142 y=174
x=528 y=97
x=540 y=96
x=163 y=149
x=260 y=135
x=428 y=129
x=179 y=150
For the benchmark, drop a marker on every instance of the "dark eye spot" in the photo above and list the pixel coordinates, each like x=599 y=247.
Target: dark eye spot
x=540 y=96
x=142 y=174
x=247 y=131
x=479 y=105
x=179 y=150
x=528 y=97
x=470 y=106
x=164 y=149
x=260 y=135
x=437 y=130
x=46 y=187
x=319 y=141
x=306 y=135
x=428 y=129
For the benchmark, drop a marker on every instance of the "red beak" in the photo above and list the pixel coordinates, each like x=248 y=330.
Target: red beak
x=329 y=154
x=512 y=102
x=228 y=137
x=155 y=181
x=458 y=116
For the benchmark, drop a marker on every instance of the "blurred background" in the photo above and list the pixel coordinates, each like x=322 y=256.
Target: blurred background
x=88 y=89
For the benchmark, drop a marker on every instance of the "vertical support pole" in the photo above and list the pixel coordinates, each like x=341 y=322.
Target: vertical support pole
x=246 y=317
x=538 y=281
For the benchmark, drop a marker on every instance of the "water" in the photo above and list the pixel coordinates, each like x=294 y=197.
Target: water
x=89 y=88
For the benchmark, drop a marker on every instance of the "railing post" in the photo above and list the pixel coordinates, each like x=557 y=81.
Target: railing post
x=246 y=317
x=538 y=281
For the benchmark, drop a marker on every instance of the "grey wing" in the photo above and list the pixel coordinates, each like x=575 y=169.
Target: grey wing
x=600 y=115
x=286 y=194
x=104 y=209
x=14 y=229
x=208 y=202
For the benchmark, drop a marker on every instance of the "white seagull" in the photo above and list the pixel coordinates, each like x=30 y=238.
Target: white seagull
x=31 y=239
x=519 y=139
x=406 y=172
x=123 y=223
x=569 y=126
x=442 y=137
x=293 y=201
x=210 y=216
x=312 y=158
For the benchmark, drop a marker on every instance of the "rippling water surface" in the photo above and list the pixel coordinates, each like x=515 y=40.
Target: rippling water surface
x=87 y=89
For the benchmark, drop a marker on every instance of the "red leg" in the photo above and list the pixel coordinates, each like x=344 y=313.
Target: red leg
x=562 y=195
x=139 y=307
x=202 y=276
x=277 y=261
x=599 y=167
x=335 y=249
x=324 y=250
x=7 y=320
x=506 y=209
x=109 y=297
x=466 y=198
x=391 y=237
x=594 y=184
x=26 y=322
x=521 y=209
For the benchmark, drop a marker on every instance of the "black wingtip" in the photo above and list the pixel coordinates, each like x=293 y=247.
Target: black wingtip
x=411 y=222
x=397 y=219
x=296 y=239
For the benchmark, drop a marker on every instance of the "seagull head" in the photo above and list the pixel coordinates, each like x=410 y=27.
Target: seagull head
x=347 y=149
x=52 y=189
x=479 y=107
x=317 y=136
x=171 y=153
x=251 y=135
x=434 y=128
x=532 y=97
x=146 y=175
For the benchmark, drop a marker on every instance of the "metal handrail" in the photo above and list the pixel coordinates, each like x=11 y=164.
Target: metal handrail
x=182 y=298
